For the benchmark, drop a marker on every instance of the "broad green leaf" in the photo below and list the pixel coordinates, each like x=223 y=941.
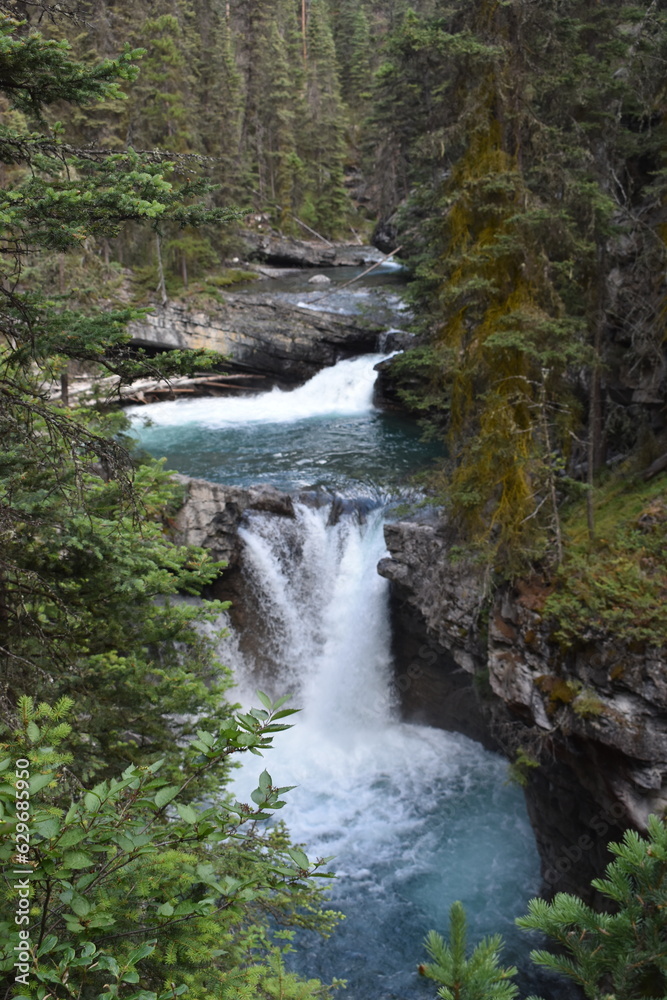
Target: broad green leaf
x=48 y=828
x=47 y=944
x=80 y=906
x=71 y=837
x=165 y=795
x=38 y=781
x=141 y=952
x=281 y=701
x=298 y=857
x=265 y=700
x=77 y=859
x=187 y=813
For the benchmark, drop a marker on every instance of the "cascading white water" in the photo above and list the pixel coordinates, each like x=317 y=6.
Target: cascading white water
x=344 y=389
x=325 y=433
x=327 y=610
x=415 y=817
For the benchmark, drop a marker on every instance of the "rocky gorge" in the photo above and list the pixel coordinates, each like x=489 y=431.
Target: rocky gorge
x=588 y=723
x=583 y=725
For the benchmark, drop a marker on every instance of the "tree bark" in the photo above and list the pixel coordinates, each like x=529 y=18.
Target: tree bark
x=161 y=287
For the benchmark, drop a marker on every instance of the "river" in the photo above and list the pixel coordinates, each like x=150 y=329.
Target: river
x=415 y=817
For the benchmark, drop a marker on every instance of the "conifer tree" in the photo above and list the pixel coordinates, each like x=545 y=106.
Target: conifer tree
x=479 y=977
x=322 y=136
x=622 y=953
x=526 y=194
x=129 y=874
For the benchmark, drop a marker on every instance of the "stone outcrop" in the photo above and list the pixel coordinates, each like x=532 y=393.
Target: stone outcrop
x=211 y=514
x=259 y=334
x=285 y=251
x=594 y=717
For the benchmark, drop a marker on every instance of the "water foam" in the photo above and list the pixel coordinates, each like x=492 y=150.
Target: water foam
x=345 y=389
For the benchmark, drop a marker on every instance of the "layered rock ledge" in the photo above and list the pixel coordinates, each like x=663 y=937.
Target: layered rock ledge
x=260 y=335
x=285 y=251
x=593 y=718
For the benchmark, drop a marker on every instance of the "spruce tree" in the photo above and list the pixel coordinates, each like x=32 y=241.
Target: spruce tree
x=322 y=135
x=622 y=953
x=479 y=977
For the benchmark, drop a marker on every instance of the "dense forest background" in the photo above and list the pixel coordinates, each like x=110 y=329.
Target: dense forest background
x=514 y=150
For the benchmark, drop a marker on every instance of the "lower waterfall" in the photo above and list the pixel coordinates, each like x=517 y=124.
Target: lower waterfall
x=415 y=817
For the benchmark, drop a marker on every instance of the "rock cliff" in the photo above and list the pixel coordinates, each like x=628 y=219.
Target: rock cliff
x=259 y=334
x=592 y=718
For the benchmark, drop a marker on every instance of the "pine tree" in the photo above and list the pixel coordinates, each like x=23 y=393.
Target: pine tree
x=322 y=135
x=479 y=977
x=622 y=953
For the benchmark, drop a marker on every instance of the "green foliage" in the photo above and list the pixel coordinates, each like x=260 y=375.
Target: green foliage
x=525 y=143
x=617 y=584
x=622 y=953
x=479 y=977
x=619 y=954
x=521 y=766
x=154 y=883
x=132 y=886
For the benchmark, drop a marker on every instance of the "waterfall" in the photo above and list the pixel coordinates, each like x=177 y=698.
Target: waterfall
x=415 y=817
x=327 y=608
x=344 y=389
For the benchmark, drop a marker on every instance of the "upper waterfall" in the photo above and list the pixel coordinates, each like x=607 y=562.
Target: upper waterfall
x=344 y=389
x=324 y=433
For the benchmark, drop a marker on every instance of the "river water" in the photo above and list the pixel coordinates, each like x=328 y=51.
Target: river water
x=415 y=817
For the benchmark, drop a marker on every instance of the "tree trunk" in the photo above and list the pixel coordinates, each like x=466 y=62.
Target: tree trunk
x=303 y=32
x=594 y=448
x=161 y=287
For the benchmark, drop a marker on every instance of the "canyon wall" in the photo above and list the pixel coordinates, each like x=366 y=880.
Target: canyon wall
x=586 y=727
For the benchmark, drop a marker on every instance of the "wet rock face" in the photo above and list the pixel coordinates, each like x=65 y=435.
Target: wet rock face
x=211 y=515
x=258 y=334
x=594 y=717
x=432 y=689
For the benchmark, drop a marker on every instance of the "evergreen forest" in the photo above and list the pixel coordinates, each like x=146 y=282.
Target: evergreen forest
x=512 y=154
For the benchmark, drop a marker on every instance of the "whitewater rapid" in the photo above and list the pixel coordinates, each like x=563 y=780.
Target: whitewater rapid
x=344 y=389
x=414 y=817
